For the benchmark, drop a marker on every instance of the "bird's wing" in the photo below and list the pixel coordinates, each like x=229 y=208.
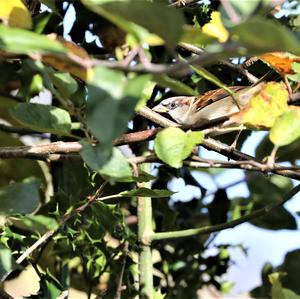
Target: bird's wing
x=213 y=96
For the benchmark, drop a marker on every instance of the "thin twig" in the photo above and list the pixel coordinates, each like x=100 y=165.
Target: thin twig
x=229 y=152
x=178 y=68
x=120 y=280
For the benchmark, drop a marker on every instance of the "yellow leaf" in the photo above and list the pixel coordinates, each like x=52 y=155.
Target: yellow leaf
x=264 y=107
x=216 y=28
x=14 y=13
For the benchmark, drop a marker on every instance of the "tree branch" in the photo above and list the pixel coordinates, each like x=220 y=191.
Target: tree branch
x=69 y=150
x=178 y=69
x=219 y=227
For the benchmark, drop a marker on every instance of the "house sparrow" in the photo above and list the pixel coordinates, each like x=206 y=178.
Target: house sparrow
x=194 y=110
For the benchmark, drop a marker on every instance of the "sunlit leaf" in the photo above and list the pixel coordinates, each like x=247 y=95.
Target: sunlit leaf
x=277 y=291
x=264 y=107
x=216 y=28
x=195 y=36
x=15 y=14
x=172 y=145
x=286 y=128
x=117 y=167
x=21 y=41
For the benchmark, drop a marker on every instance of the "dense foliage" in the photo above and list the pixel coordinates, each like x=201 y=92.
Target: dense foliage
x=79 y=166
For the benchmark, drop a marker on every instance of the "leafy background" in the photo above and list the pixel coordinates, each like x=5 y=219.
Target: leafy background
x=88 y=243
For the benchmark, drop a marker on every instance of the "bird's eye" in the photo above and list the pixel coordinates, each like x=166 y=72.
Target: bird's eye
x=172 y=105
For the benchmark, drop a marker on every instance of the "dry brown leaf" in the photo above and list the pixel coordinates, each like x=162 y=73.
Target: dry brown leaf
x=280 y=61
x=77 y=62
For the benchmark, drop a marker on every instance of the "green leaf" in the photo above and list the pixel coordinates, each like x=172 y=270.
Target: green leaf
x=175 y=85
x=296 y=68
x=111 y=101
x=172 y=145
x=210 y=77
x=7 y=103
x=6 y=262
x=21 y=41
x=20 y=198
x=143 y=177
x=42 y=118
x=259 y=35
x=156 y=17
x=95 y=156
x=25 y=167
x=34 y=223
x=158 y=295
x=215 y=27
x=265 y=191
x=117 y=167
x=109 y=217
x=286 y=128
x=289 y=294
x=112 y=165
x=276 y=290
x=48 y=288
x=145 y=192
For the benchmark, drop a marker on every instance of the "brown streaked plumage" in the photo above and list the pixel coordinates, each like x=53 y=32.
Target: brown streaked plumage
x=193 y=110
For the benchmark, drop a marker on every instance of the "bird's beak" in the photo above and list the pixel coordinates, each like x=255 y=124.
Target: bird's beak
x=160 y=109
